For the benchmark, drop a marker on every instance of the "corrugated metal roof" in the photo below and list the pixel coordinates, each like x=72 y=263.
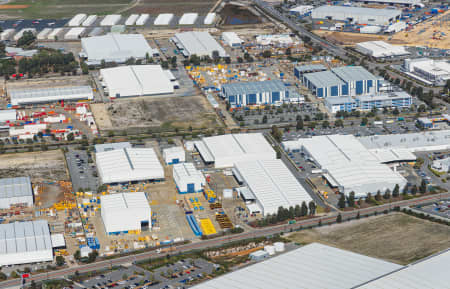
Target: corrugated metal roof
x=310 y=68
x=200 y=43
x=353 y=73
x=163 y=19
x=129 y=164
x=127 y=201
x=323 y=79
x=351 y=10
x=23 y=237
x=431 y=272
x=15 y=187
x=273 y=184
x=247 y=88
x=311 y=266
x=111 y=146
x=188 y=19
x=23 y=96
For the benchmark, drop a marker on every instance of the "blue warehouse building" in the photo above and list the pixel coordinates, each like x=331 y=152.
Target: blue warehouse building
x=397 y=99
x=325 y=84
x=358 y=79
x=302 y=69
x=344 y=103
x=255 y=93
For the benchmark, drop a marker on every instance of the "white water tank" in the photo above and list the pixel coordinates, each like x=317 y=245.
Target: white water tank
x=270 y=249
x=279 y=246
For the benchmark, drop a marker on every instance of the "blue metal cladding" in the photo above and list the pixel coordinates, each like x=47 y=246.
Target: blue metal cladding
x=286 y=94
x=175 y=161
x=231 y=99
x=275 y=96
x=190 y=188
x=359 y=87
x=320 y=92
x=296 y=73
x=334 y=91
x=251 y=99
x=369 y=84
x=344 y=90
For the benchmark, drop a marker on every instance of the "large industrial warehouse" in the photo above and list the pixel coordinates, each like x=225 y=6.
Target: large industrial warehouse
x=226 y=150
x=272 y=184
x=199 y=43
x=128 y=165
x=45 y=95
x=435 y=72
x=258 y=92
x=356 y=15
x=187 y=178
x=324 y=84
x=348 y=165
x=381 y=49
x=311 y=266
x=115 y=48
x=125 y=212
x=25 y=242
x=135 y=80
x=15 y=191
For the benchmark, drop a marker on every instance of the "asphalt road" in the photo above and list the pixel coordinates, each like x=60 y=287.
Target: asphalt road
x=330 y=219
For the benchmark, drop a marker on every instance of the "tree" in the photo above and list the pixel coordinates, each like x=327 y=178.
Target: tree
x=299 y=125
x=369 y=198
x=267 y=54
x=291 y=212
x=92 y=256
x=26 y=39
x=396 y=191
x=304 y=209
x=312 y=208
x=70 y=137
x=325 y=124
x=341 y=202
x=378 y=196
x=276 y=133
x=364 y=121
x=264 y=119
x=405 y=190
x=423 y=187
x=395 y=111
x=60 y=261
x=3 y=276
x=414 y=190
x=387 y=194
x=77 y=255
x=124 y=276
x=351 y=199
x=297 y=211
x=339 y=218
x=339 y=123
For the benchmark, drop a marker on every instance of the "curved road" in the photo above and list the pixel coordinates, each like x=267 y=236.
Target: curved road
x=329 y=219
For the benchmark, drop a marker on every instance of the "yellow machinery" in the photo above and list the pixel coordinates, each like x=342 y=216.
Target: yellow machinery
x=207 y=227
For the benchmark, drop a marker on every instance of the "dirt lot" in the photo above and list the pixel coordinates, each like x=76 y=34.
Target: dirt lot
x=398 y=237
x=141 y=112
x=177 y=7
x=39 y=166
x=420 y=35
x=48 y=82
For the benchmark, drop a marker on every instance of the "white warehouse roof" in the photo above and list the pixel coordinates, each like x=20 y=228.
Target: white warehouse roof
x=89 y=20
x=42 y=95
x=116 y=47
x=231 y=38
x=359 y=15
x=380 y=49
x=25 y=242
x=123 y=212
x=200 y=43
x=186 y=174
x=15 y=191
x=311 y=266
x=350 y=164
x=174 y=155
x=129 y=164
x=226 y=150
x=188 y=19
x=163 y=19
x=7 y=115
x=131 y=20
x=431 y=272
x=136 y=80
x=111 y=146
x=77 y=20
x=272 y=184
x=110 y=20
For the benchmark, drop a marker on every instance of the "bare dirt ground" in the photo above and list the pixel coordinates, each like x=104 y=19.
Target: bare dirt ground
x=39 y=166
x=397 y=238
x=48 y=82
x=179 y=112
x=421 y=35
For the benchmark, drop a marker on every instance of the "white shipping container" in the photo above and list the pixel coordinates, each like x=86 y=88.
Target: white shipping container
x=132 y=19
x=142 y=19
x=90 y=20
x=77 y=20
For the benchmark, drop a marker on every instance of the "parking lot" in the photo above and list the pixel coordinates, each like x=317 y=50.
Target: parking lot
x=440 y=209
x=82 y=173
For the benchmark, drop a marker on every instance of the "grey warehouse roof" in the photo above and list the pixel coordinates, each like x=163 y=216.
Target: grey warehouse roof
x=254 y=87
x=311 y=67
x=358 y=11
x=311 y=266
x=199 y=42
x=339 y=100
x=353 y=73
x=111 y=146
x=20 y=237
x=323 y=79
x=15 y=187
x=48 y=94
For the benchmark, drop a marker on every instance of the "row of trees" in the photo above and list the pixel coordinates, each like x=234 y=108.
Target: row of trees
x=48 y=60
x=349 y=200
x=284 y=214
